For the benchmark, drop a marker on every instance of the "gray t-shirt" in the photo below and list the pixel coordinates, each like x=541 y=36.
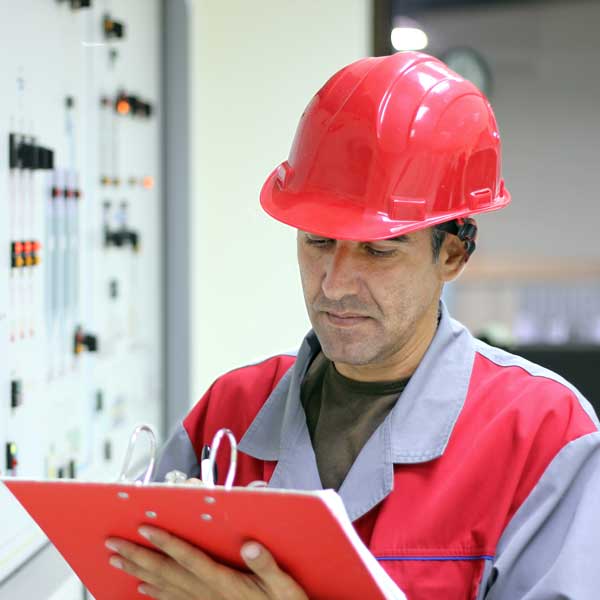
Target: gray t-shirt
x=341 y=415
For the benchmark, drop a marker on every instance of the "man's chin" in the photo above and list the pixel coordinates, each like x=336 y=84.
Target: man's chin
x=349 y=354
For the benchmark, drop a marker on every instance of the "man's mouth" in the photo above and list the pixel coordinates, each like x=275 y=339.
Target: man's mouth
x=345 y=319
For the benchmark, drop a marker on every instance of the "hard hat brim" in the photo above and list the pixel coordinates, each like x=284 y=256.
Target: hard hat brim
x=334 y=217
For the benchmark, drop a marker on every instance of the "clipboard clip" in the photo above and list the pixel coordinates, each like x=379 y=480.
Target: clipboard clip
x=208 y=465
x=129 y=453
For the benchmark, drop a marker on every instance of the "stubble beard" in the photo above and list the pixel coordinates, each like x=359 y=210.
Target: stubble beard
x=371 y=344
x=355 y=348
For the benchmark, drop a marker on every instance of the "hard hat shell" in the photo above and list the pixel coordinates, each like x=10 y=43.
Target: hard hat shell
x=387 y=146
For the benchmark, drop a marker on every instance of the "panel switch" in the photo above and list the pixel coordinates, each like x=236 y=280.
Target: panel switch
x=113 y=29
x=77 y=4
x=84 y=341
x=16 y=393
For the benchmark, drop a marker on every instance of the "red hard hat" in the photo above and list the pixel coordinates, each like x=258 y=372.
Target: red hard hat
x=389 y=145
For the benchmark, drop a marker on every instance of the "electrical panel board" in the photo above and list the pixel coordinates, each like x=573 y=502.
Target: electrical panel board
x=80 y=244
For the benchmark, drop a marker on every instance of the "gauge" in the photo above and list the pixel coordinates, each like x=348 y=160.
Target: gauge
x=471 y=65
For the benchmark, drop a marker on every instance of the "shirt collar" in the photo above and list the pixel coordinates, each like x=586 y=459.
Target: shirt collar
x=416 y=430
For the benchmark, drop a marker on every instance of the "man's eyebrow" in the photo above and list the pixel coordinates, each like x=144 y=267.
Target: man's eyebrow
x=401 y=238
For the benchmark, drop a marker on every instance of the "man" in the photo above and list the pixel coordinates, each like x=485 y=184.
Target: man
x=469 y=473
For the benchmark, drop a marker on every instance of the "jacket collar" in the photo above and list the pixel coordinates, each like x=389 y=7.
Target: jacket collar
x=416 y=430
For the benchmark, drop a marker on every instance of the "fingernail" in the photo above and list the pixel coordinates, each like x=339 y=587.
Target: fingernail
x=142 y=590
x=145 y=533
x=111 y=545
x=251 y=551
x=116 y=562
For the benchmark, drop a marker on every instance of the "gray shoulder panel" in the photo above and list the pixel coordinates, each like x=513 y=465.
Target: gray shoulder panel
x=506 y=359
x=551 y=547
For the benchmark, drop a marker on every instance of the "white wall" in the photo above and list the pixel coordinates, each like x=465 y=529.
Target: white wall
x=544 y=60
x=255 y=66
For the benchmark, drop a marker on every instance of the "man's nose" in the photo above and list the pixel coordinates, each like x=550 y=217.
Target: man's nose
x=341 y=274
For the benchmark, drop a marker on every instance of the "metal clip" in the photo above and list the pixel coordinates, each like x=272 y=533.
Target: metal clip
x=214 y=448
x=128 y=455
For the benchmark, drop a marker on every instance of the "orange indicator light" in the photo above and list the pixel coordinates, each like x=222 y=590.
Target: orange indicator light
x=123 y=107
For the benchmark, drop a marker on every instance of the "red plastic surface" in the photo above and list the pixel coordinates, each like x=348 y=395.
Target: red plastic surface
x=389 y=145
x=300 y=530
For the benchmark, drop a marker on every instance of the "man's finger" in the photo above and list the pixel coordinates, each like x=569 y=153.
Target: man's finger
x=191 y=558
x=145 y=558
x=153 y=592
x=132 y=568
x=275 y=582
x=194 y=481
x=150 y=566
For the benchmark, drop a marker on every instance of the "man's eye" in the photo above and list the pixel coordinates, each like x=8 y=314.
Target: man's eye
x=377 y=252
x=319 y=242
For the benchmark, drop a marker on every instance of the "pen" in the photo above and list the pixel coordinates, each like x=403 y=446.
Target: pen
x=205 y=474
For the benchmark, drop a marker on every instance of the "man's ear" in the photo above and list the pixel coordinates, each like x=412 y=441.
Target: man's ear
x=453 y=258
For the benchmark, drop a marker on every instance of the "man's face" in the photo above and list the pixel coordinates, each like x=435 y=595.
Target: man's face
x=370 y=302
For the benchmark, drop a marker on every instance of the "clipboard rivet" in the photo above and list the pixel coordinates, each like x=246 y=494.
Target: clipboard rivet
x=209 y=500
x=206 y=517
x=151 y=514
x=123 y=495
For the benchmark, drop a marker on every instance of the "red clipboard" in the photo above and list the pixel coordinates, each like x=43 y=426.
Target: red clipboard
x=309 y=533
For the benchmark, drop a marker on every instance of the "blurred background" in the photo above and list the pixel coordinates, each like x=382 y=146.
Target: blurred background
x=136 y=265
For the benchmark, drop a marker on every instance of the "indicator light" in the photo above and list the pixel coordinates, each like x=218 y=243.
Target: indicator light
x=11 y=458
x=28 y=258
x=17 y=255
x=35 y=249
x=123 y=106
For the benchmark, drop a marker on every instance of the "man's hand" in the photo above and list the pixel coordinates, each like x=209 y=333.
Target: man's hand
x=181 y=571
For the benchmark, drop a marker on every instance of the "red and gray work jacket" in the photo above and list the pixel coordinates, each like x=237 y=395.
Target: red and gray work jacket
x=482 y=482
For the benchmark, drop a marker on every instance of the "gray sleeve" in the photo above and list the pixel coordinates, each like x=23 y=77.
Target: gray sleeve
x=177 y=453
x=550 y=550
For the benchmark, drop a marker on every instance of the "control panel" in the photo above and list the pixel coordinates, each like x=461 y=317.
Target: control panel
x=81 y=312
